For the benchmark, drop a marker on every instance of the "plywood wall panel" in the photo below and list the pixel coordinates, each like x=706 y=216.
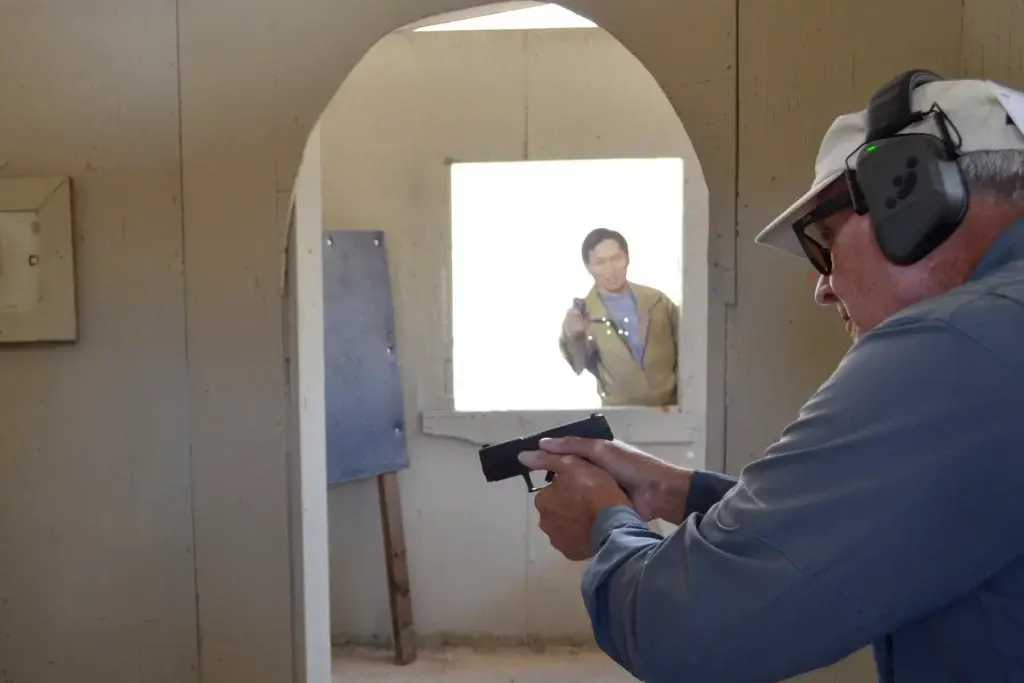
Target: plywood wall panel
x=96 y=580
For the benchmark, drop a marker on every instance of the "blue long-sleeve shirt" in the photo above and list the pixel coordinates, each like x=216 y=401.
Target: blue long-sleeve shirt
x=891 y=512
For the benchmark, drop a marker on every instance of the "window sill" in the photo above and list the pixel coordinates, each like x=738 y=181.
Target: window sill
x=632 y=424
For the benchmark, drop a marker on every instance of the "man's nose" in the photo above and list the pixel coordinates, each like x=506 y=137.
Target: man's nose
x=823 y=293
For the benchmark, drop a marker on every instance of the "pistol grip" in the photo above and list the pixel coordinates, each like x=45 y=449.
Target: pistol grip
x=531 y=488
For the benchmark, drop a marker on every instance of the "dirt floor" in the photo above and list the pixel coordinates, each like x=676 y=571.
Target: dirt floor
x=466 y=665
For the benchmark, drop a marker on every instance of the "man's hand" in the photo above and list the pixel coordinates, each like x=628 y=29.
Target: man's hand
x=569 y=505
x=658 y=489
x=575 y=323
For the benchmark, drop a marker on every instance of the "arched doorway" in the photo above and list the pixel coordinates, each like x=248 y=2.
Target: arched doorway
x=420 y=102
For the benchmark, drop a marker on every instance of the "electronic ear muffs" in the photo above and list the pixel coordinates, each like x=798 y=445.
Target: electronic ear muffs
x=910 y=183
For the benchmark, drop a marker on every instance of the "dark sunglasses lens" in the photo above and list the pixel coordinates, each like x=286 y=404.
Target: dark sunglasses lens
x=818 y=255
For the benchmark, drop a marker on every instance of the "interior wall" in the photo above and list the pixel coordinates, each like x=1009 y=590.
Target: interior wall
x=135 y=99
x=307 y=418
x=993 y=45
x=96 y=546
x=416 y=102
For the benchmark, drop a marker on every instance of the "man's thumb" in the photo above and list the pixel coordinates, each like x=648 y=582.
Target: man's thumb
x=602 y=453
x=539 y=460
x=568 y=445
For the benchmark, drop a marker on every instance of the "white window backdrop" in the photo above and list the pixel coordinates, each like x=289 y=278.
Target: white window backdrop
x=517 y=228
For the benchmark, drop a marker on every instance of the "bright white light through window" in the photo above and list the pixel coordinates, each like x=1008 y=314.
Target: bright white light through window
x=529 y=18
x=517 y=230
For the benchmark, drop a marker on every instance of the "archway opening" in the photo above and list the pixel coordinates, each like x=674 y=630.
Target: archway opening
x=436 y=117
x=522 y=16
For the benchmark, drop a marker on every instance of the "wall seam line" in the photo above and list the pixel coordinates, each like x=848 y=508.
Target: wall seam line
x=733 y=238
x=188 y=365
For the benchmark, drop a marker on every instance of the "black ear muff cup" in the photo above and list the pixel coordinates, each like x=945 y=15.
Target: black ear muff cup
x=910 y=184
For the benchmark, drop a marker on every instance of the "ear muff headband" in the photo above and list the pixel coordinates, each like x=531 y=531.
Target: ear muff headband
x=891 y=108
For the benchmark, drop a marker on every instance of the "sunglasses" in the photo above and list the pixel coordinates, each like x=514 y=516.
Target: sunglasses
x=817 y=253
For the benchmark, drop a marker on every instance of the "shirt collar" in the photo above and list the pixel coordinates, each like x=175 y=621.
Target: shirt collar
x=1006 y=248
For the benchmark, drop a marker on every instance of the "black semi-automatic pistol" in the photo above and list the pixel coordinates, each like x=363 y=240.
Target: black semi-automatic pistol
x=501 y=461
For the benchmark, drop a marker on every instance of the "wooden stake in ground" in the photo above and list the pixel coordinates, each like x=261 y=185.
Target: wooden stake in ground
x=397 y=567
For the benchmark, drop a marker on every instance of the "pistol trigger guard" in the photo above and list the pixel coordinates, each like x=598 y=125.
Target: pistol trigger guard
x=533 y=488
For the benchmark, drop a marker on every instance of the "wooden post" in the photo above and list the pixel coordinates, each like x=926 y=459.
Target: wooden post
x=398 y=569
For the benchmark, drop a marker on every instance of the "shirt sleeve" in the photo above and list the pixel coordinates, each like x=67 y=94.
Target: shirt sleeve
x=706 y=489
x=896 y=491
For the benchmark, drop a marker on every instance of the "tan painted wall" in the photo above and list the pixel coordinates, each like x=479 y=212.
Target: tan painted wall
x=182 y=124
x=96 y=546
x=307 y=416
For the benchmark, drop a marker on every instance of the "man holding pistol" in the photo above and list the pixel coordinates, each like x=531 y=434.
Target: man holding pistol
x=889 y=511
x=623 y=333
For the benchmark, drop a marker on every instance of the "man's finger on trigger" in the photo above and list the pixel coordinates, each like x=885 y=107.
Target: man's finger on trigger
x=539 y=460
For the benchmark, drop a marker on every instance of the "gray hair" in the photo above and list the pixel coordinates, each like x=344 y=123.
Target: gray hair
x=998 y=175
